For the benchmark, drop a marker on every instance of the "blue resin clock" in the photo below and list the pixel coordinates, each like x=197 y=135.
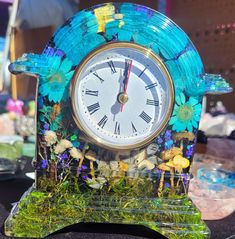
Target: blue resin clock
x=119 y=99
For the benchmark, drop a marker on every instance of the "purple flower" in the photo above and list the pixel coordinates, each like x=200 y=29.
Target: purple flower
x=63 y=156
x=168 y=135
x=84 y=167
x=189 y=151
x=46 y=126
x=81 y=146
x=159 y=140
x=85 y=177
x=44 y=163
x=166 y=185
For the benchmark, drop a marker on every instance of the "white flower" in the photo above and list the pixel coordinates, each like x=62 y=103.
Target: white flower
x=96 y=184
x=65 y=143
x=50 y=137
x=59 y=149
x=75 y=153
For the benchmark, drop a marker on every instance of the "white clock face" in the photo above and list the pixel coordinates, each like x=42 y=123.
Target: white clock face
x=122 y=96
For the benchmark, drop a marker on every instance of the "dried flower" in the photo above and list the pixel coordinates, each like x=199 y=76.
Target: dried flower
x=123 y=166
x=50 y=137
x=59 y=149
x=65 y=143
x=75 y=153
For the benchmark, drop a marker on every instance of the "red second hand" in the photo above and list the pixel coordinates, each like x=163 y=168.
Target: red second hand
x=127 y=80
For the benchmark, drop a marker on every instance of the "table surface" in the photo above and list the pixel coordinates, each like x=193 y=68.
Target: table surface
x=11 y=191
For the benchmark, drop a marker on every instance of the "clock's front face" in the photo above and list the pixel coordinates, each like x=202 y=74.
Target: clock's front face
x=122 y=96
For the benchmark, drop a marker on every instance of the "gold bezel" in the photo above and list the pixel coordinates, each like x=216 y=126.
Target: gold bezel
x=93 y=137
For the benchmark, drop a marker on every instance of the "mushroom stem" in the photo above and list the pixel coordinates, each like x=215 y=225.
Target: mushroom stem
x=172 y=178
x=182 y=145
x=80 y=166
x=92 y=171
x=81 y=161
x=161 y=184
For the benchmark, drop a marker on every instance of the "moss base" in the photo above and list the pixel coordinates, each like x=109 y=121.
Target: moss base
x=39 y=214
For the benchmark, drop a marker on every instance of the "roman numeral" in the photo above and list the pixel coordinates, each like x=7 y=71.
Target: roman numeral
x=92 y=92
x=151 y=86
x=103 y=121
x=112 y=67
x=95 y=74
x=143 y=71
x=134 y=130
x=152 y=102
x=117 y=128
x=93 y=108
x=145 y=117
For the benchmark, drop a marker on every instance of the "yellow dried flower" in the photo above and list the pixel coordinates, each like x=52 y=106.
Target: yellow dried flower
x=123 y=166
x=59 y=149
x=50 y=137
x=75 y=153
x=65 y=143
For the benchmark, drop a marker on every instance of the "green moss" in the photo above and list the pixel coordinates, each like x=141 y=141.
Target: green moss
x=41 y=213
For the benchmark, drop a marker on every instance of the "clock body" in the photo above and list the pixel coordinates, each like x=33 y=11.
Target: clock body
x=119 y=98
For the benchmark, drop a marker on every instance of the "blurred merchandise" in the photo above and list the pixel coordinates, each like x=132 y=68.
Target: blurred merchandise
x=7 y=127
x=213 y=187
x=25 y=126
x=10 y=154
x=34 y=14
x=215 y=201
x=218 y=122
x=15 y=106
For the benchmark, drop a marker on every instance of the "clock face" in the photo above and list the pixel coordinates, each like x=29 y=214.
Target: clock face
x=122 y=96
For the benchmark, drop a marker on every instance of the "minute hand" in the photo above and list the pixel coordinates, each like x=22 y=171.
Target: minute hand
x=127 y=77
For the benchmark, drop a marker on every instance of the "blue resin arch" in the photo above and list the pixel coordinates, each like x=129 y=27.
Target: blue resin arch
x=129 y=22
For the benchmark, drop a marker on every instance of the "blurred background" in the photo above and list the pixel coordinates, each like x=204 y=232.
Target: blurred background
x=27 y=25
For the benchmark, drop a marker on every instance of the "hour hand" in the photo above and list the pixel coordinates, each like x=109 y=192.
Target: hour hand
x=126 y=73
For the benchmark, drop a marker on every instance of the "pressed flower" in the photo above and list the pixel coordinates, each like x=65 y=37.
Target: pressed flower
x=50 y=137
x=59 y=149
x=55 y=85
x=186 y=114
x=65 y=143
x=123 y=166
x=75 y=153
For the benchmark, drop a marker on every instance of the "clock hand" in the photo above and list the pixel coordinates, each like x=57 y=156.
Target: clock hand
x=115 y=109
x=127 y=74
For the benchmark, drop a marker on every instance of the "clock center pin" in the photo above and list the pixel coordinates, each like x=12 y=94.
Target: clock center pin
x=122 y=98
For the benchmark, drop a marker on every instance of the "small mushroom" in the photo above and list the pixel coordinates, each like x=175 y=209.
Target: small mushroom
x=180 y=162
x=170 y=153
x=164 y=167
x=91 y=156
x=146 y=164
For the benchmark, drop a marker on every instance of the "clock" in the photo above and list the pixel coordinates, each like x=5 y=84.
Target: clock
x=122 y=96
x=119 y=99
